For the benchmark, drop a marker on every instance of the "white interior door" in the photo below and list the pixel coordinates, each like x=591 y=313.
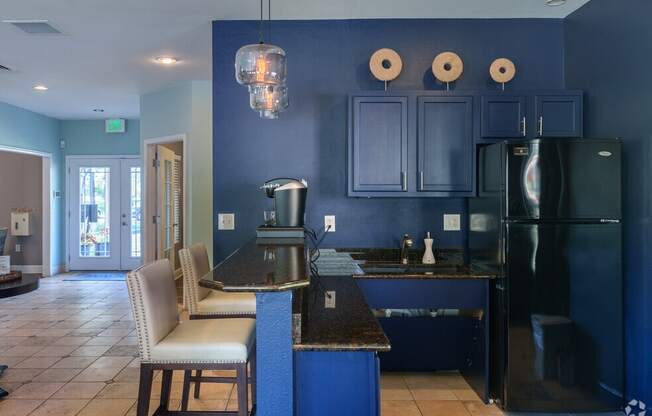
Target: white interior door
x=105 y=214
x=165 y=172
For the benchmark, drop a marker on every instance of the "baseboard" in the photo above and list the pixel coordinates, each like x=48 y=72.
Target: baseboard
x=27 y=268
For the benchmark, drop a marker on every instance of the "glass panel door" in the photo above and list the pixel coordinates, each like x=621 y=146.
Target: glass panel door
x=131 y=215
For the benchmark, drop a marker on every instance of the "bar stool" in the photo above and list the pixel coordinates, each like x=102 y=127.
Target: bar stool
x=206 y=303
x=167 y=344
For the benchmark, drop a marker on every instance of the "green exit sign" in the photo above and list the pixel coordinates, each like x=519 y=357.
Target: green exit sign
x=115 y=125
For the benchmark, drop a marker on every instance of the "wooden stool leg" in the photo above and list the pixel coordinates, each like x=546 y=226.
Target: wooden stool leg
x=243 y=389
x=144 y=389
x=186 y=389
x=197 y=385
x=252 y=365
x=166 y=386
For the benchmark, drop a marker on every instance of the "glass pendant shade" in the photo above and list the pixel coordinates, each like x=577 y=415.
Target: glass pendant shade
x=260 y=64
x=268 y=100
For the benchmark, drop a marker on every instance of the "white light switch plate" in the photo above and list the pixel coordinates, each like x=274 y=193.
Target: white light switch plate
x=225 y=221
x=452 y=222
x=329 y=220
x=18 y=248
x=329 y=296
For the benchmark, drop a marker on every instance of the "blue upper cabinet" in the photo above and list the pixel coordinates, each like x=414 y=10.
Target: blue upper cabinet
x=558 y=115
x=503 y=116
x=378 y=150
x=445 y=144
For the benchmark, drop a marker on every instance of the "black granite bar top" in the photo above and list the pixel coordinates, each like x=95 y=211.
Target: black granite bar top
x=342 y=323
x=262 y=265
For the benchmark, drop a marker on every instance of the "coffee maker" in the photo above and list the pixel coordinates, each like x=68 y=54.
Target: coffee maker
x=289 y=197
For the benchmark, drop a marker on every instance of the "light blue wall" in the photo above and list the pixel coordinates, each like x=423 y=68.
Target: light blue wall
x=28 y=130
x=166 y=112
x=87 y=137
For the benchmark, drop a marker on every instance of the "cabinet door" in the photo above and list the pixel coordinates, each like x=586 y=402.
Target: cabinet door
x=445 y=144
x=503 y=116
x=378 y=146
x=558 y=115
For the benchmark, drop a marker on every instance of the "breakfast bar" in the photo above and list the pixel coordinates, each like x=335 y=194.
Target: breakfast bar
x=317 y=340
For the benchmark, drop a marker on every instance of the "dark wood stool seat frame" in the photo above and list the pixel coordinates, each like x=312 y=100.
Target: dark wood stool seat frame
x=198 y=379
x=241 y=379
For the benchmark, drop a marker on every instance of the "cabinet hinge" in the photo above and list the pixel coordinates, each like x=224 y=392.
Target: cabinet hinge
x=156 y=163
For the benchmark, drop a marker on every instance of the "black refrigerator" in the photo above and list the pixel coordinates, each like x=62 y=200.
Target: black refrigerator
x=547 y=221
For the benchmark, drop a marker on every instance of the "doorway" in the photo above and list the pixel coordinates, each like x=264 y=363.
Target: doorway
x=104 y=213
x=165 y=199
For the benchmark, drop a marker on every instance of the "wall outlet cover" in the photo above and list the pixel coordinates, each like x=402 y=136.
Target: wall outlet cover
x=329 y=298
x=226 y=221
x=452 y=222
x=18 y=248
x=329 y=220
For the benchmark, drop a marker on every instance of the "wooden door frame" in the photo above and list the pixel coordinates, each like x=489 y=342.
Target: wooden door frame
x=68 y=196
x=149 y=145
x=47 y=269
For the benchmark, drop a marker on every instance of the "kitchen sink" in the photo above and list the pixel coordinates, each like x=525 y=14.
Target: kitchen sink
x=411 y=269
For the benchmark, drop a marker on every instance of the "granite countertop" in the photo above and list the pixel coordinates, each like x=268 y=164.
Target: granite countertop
x=348 y=325
x=262 y=265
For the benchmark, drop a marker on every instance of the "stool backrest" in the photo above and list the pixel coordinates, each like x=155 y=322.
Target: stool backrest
x=153 y=297
x=194 y=264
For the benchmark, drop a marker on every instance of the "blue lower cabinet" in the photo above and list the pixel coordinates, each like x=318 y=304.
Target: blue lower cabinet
x=342 y=383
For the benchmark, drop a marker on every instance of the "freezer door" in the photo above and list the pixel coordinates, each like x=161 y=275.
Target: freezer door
x=563 y=179
x=564 y=317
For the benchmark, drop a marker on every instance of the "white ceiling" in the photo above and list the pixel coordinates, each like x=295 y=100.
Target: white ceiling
x=105 y=57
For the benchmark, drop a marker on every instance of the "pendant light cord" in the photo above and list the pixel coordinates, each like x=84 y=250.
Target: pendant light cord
x=260 y=25
x=269 y=21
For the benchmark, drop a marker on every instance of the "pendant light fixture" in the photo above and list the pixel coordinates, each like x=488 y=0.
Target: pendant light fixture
x=262 y=67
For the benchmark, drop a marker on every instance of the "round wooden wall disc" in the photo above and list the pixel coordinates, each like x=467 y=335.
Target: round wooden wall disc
x=385 y=64
x=502 y=70
x=447 y=66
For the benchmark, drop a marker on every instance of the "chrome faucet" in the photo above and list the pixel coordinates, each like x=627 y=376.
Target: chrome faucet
x=405 y=245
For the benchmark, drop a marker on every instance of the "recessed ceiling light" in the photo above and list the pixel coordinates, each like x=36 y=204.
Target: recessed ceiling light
x=555 y=2
x=98 y=110
x=166 y=60
x=40 y=87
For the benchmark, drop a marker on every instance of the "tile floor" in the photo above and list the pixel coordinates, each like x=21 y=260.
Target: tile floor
x=71 y=350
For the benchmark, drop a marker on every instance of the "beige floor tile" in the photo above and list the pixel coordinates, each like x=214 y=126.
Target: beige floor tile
x=52 y=375
x=38 y=362
x=72 y=340
x=399 y=408
x=79 y=391
x=135 y=363
x=53 y=332
x=477 y=408
x=433 y=394
x=16 y=407
x=115 y=332
x=466 y=394
x=39 y=341
x=216 y=391
x=206 y=405
x=23 y=351
x=391 y=393
x=90 y=351
x=59 y=407
x=392 y=380
x=74 y=362
x=119 y=391
x=153 y=405
x=11 y=361
x=107 y=407
x=24 y=332
x=56 y=351
x=426 y=380
x=97 y=374
x=20 y=375
x=110 y=341
x=128 y=374
x=442 y=408
x=111 y=362
x=36 y=390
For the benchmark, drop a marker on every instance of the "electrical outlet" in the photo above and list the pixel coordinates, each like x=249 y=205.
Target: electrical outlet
x=225 y=221
x=18 y=248
x=329 y=220
x=452 y=222
x=329 y=297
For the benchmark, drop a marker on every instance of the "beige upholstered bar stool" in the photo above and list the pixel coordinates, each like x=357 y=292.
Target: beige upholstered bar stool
x=167 y=344
x=205 y=303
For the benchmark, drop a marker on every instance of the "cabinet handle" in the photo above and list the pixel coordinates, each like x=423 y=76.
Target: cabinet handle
x=404 y=180
x=524 y=130
x=540 y=125
x=421 y=180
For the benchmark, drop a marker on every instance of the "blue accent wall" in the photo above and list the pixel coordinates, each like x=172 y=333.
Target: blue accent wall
x=608 y=56
x=328 y=59
x=88 y=137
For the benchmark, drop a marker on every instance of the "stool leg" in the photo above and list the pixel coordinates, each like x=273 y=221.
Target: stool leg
x=166 y=386
x=252 y=365
x=197 y=385
x=144 y=389
x=186 y=389
x=243 y=389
